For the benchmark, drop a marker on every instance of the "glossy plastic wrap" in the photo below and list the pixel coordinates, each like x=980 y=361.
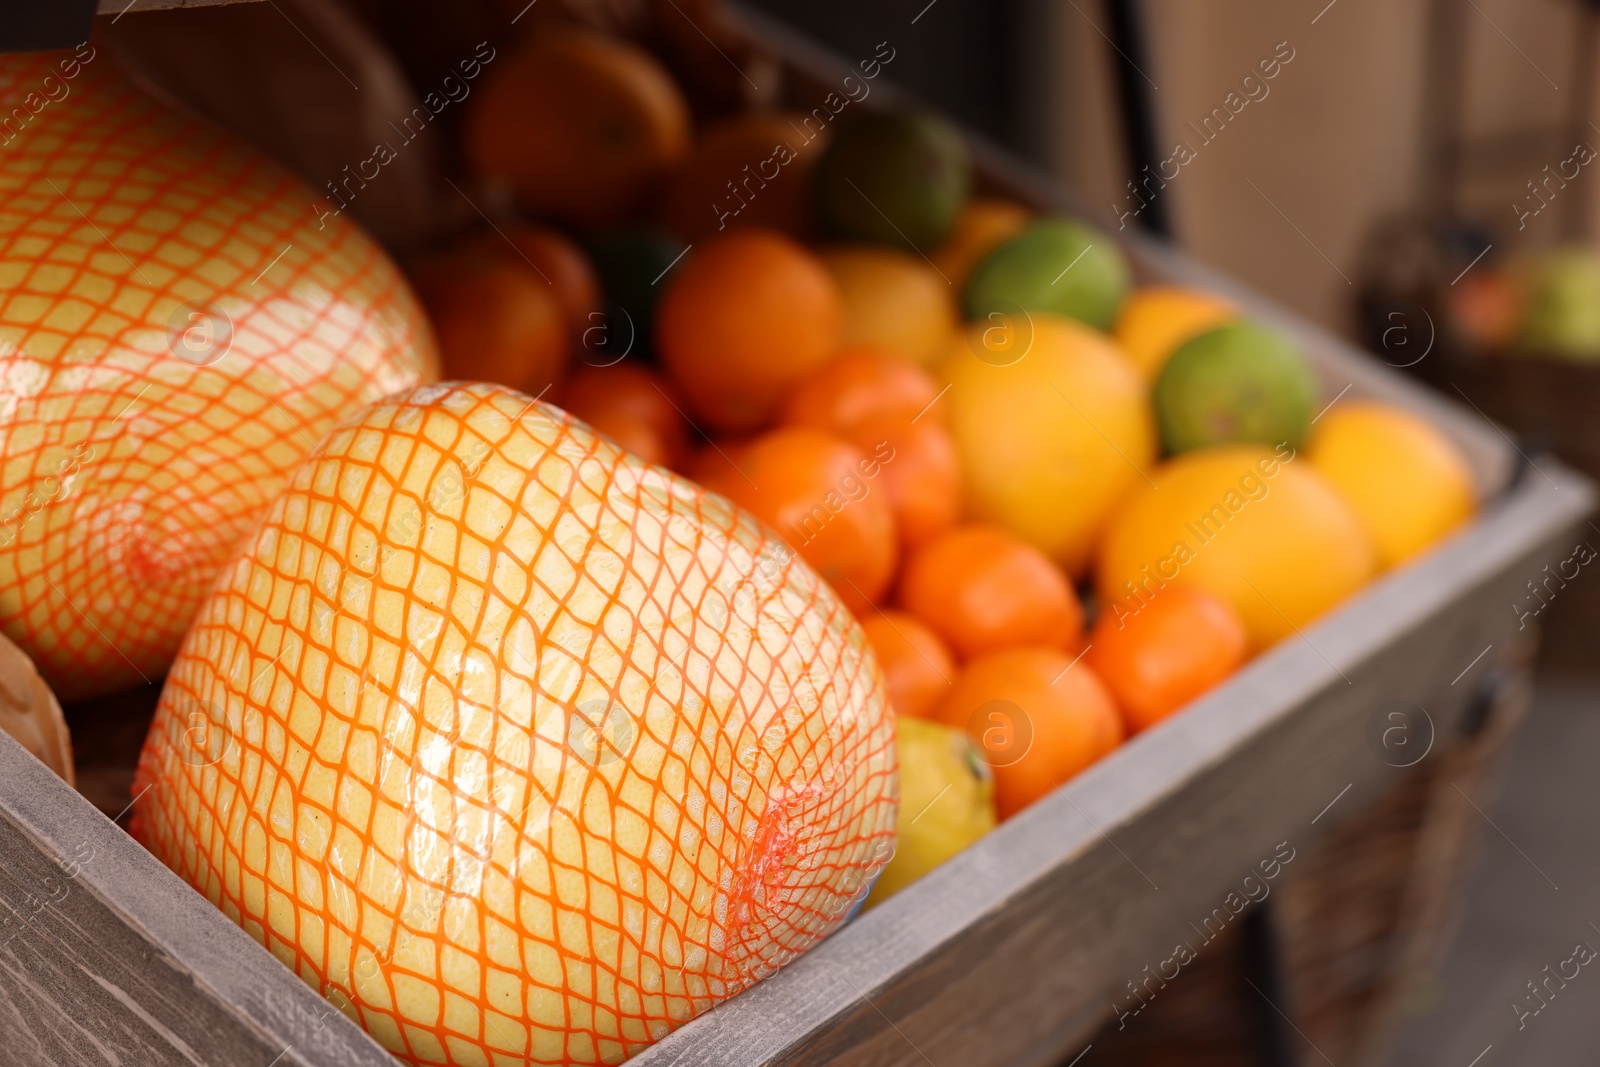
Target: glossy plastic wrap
x=515 y=747
x=177 y=331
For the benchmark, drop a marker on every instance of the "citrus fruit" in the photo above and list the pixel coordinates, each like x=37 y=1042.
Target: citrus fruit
x=982 y=589
x=634 y=407
x=981 y=226
x=557 y=260
x=1408 y=483
x=818 y=492
x=752 y=169
x=475 y=769
x=579 y=125
x=916 y=663
x=1035 y=717
x=893 y=177
x=921 y=474
x=1232 y=384
x=1157 y=319
x=176 y=335
x=496 y=319
x=1259 y=528
x=946 y=802
x=749 y=317
x=1057 y=265
x=893 y=300
x=859 y=385
x=1051 y=431
x=1158 y=655
x=1486 y=308
x=636 y=265
x=1563 y=308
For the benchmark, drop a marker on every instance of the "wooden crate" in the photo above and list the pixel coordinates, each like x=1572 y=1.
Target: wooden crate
x=1012 y=953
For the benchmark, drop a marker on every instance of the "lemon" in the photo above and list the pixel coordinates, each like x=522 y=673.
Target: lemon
x=894 y=300
x=1257 y=527
x=946 y=802
x=1157 y=319
x=1052 y=428
x=1408 y=483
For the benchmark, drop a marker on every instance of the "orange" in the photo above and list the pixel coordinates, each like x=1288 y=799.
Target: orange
x=1155 y=322
x=496 y=320
x=632 y=405
x=556 y=259
x=1408 y=483
x=983 y=589
x=1035 y=716
x=465 y=721
x=1053 y=427
x=581 y=127
x=982 y=226
x=752 y=169
x=893 y=299
x=821 y=494
x=916 y=663
x=921 y=473
x=1158 y=656
x=748 y=316
x=861 y=383
x=1261 y=529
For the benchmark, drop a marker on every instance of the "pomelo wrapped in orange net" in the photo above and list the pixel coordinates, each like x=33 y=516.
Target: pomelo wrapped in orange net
x=517 y=748
x=177 y=331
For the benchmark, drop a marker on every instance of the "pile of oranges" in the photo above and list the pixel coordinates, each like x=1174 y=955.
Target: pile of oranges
x=965 y=486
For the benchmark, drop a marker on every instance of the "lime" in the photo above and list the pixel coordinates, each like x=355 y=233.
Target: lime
x=1056 y=265
x=896 y=178
x=1237 y=383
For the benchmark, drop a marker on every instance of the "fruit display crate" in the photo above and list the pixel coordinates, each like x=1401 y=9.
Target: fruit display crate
x=1016 y=951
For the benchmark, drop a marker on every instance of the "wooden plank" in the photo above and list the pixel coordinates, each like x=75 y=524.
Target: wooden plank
x=1019 y=946
x=107 y=957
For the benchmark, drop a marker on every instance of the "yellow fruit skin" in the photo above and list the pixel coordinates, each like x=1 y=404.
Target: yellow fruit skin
x=946 y=802
x=980 y=228
x=1050 y=442
x=893 y=299
x=1260 y=529
x=1407 y=482
x=1157 y=320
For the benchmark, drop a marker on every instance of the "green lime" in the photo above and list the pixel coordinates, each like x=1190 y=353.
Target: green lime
x=1564 y=306
x=1239 y=382
x=1056 y=265
x=894 y=178
x=635 y=265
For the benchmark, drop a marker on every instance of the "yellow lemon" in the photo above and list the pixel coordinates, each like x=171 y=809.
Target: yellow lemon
x=980 y=228
x=1257 y=527
x=946 y=802
x=893 y=299
x=1052 y=427
x=1407 y=482
x=1156 y=320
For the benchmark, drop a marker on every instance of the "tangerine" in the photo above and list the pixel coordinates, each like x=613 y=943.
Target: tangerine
x=817 y=490
x=496 y=319
x=746 y=318
x=916 y=662
x=1157 y=657
x=632 y=405
x=984 y=589
x=1037 y=717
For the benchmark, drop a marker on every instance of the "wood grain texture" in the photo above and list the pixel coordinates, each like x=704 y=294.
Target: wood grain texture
x=107 y=958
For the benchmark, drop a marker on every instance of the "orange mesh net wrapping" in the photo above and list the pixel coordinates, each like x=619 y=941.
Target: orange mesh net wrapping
x=176 y=333
x=517 y=748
